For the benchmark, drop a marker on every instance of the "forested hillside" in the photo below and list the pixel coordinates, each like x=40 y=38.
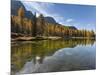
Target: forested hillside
x=24 y=23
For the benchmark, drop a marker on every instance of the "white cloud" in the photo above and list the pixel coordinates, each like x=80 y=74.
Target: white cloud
x=89 y=24
x=69 y=20
x=44 y=8
x=47 y=10
x=39 y=7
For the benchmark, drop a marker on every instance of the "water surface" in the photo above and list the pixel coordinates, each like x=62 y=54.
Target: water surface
x=52 y=56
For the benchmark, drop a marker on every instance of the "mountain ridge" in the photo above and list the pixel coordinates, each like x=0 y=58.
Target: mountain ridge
x=15 y=5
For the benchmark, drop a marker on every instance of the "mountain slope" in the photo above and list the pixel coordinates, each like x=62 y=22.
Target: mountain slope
x=50 y=20
x=15 y=5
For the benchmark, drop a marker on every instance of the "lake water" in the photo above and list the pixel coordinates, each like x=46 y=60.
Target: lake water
x=52 y=56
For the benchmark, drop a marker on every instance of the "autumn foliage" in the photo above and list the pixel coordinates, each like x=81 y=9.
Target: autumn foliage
x=37 y=26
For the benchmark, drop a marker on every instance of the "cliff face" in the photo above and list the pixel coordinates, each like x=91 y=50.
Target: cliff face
x=15 y=5
x=50 y=20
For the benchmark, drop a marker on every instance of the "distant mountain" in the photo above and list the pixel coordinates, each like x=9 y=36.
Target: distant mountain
x=15 y=5
x=50 y=20
x=72 y=27
x=29 y=14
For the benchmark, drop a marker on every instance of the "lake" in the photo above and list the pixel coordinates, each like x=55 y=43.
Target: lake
x=52 y=56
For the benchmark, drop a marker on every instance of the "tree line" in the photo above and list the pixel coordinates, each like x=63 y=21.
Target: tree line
x=37 y=26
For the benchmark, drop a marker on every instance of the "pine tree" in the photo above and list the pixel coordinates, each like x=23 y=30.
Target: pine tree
x=34 y=25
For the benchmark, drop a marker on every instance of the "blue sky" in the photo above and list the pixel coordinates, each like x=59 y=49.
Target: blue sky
x=80 y=16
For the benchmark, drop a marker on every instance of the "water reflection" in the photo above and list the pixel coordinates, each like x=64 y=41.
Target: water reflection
x=28 y=57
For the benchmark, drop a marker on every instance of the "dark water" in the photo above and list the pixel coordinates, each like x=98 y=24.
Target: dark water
x=52 y=56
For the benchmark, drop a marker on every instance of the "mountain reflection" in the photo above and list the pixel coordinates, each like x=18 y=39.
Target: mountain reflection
x=22 y=52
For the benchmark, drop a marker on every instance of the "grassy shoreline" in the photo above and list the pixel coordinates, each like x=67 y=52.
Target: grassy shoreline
x=46 y=38
x=23 y=37
x=34 y=38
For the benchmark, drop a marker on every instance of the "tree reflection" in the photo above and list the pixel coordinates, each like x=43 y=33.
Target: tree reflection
x=22 y=52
